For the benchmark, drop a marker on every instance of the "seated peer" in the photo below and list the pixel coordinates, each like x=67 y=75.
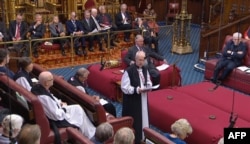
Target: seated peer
x=106 y=22
x=147 y=33
x=36 y=31
x=129 y=58
x=103 y=133
x=22 y=77
x=61 y=114
x=74 y=27
x=11 y=127
x=29 y=134
x=232 y=56
x=4 y=59
x=180 y=130
x=57 y=30
x=90 y=27
x=17 y=31
x=124 y=136
x=123 y=21
x=79 y=81
x=149 y=11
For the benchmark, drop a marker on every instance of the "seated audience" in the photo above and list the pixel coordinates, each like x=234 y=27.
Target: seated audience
x=130 y=58
x=17 y=31
x=11 y=127
x=29 y=134
x=123 y=21
x=79 y=81
x=58 y=112
x=36 y=31
x=4 y=59
x=124 y=136
x=149 y=11
x=181 y=129
x=232 y=56
x=22 y=77
x=57 y=30
x=74 y=27
x=148 y=34
x=106 y=22
x=103 y=133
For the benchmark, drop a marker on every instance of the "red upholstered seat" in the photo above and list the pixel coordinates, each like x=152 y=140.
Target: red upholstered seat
x=237 y=79
x=168 y=105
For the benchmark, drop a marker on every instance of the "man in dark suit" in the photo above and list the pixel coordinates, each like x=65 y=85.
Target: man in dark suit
x=139 y=46
x=17 y=31
x=123 y=21
x=36 y=31
x=57 y=30
x=232 y=57
x=90 y=27
x=106 y=22
x=74 y=27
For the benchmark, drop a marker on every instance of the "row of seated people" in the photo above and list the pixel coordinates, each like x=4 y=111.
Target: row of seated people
x=91 y=22
x=56 y=111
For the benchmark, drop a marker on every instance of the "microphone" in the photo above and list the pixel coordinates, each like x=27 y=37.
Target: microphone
x=232 y=120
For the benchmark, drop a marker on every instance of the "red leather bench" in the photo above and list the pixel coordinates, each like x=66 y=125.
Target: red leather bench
x=237 y=79
x=105 y=81
x=168 y=105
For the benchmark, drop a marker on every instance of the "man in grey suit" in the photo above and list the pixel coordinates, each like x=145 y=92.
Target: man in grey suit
x=139 y=46
x=57 y=30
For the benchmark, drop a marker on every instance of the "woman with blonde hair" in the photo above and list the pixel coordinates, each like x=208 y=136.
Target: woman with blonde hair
x=181 y=129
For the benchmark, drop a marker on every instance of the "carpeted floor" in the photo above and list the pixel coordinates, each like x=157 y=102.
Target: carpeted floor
x=185 y=62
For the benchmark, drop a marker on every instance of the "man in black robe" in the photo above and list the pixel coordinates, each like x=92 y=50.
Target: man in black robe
x=134 y=81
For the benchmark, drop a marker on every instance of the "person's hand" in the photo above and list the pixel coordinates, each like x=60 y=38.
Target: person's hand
x=14 y=39
x=96 y=98
x=229 y=52
x=240 y=52
x=132 y=62
x=62 y=34
x=63 y=104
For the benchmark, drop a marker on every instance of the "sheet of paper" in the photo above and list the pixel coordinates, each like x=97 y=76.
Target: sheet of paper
x=150 y=88
x=162 y=67
x=34 y=80
x=243 y=68
x=122 y=71
x=103 y=101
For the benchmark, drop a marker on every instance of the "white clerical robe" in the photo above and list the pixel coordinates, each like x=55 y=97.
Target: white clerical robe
x=128 y=89
x=74 y=114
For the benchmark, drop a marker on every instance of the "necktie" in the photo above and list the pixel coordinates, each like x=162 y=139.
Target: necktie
x=57 y=29
x=97 y=25
x=18 y=31
x=105 y=20
x=88 y=22
x=74 y=23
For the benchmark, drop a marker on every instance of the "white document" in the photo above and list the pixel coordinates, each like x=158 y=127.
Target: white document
x=162 y=67
x=152 y=87
x=94 y=31
x=149 y=141
x=34 y=80
x=244 y=68
x=103 y=101
x=106 y=28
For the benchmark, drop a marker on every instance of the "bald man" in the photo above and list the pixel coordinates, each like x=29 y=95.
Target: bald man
x=232 y=56
x=134 y=80
x=62 y=114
